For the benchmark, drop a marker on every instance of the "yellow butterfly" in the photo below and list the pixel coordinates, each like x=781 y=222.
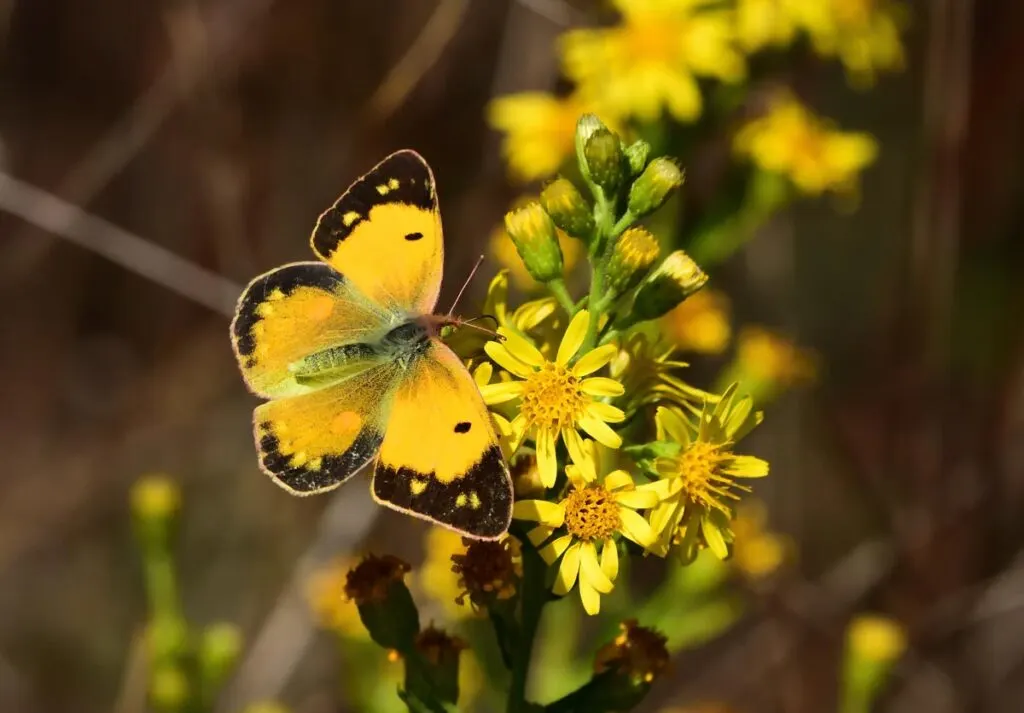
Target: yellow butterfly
x=348 y=354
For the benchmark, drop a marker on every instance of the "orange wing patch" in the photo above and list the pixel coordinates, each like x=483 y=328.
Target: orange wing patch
x=440 y=458
x=384 y=234
x=294 y=311
x=315 y=442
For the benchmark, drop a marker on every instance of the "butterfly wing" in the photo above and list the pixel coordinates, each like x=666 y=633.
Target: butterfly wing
x=287 y=314
x=440 y=459
x=384 y=234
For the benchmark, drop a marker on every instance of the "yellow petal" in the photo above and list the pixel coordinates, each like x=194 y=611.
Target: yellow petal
x=713 y=536
x=636 y=528
x=595 y=359
x=600 y=430
x=590 y=598
x=519 y=427
x=501 y=392
x=610 y=559
x=539 y=535
x=618 y=479
x=552 y=551
x=671 y=426
x=606 y=412
x=483 y=373
x=521 y=349
x=503 y=358
x=572 y=340
x=746 y=467
x=601 y=386
x=567 y=570
x=547 y=463
x=637 y=499
x=581 y=457
x=542 y=511
x=590 y=570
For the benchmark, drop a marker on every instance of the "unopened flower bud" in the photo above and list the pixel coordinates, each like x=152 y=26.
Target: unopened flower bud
x=219 y=648
x=605 y=161
x=533 y=233
x=873 y=645
x=676 y=278
x=587 y=126
x=155 y=501
x=168 y=688
x=625 y=669
x=377 y=586
x=567 y=208
x=438 y=675
x=654 y=185
x=636 y=156
x=633 y=254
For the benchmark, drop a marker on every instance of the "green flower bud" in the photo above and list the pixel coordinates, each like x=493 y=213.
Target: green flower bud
x=652 y=188
x=218 y=651
x=586 y=127
x=167 y=639
x=675 y=279
x=439 y=675
x=633 y=254
x=266 y=707
x=533 y=233
x=377 y=586
x=169 y=688
x=155 y=501
x=568 y=209
x=605 y=161
x=636 y=156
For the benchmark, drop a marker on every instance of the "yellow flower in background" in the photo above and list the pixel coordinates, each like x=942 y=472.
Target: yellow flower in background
x=700 y=481
x=647 y=368
x=757 y=552
x=651 y=60
x=792 y=141
x=766 y=357
x=540 y=130
x=556 y=399
x=325 y=594
x=767 y=23
x=505 y=253
x=591 y=513
x=874 y=637
x=863 y=34
x=435 y=576
x=700 y=323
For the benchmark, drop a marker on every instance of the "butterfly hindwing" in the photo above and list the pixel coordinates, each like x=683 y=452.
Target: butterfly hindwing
x=289 y=313
x=384 y=234
x=316 y=441
x=440 y=459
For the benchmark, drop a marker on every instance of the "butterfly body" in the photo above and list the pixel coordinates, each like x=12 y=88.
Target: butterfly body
x=347 y=352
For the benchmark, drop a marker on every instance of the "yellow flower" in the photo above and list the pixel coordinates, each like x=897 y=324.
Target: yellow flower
x=487 y=570
x=590 y=514
x=325 y=593
x=651 y=60
x=699 y=480
x=791 y=141
x=435 y=576
x=556 y=399
x=540 y=131
x=700 y=323
x=756 y=551
x=863 y=34
x=876 y=638
x=763 y=356
x=764 y=23
x=504 y=251
x=646 y=367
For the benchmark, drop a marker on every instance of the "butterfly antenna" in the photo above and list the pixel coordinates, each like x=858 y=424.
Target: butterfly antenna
x=465 y=284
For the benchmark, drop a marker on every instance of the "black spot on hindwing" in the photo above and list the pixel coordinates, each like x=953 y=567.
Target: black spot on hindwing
x=463 y=427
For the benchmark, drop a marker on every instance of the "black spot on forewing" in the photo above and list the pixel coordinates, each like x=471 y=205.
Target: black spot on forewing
x=463 y=427
x=414 y=236
x=402 y=177
x=333 y=469
x=488 y=479
x=286 y=279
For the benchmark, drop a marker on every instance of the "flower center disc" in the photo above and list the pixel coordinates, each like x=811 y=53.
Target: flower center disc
x=591 y=514
x=552 y=397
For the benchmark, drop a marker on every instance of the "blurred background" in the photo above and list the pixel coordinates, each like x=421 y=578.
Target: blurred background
x=156 y=156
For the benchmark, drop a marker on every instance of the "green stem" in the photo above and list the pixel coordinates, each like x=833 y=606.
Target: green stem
x=558 y=289
x=533 y=600
x=161 y=585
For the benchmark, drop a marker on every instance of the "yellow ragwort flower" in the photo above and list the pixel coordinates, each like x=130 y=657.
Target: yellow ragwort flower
x=325 y=594
x=591 y=514
x=768 y=23
x=792 y=141
x=763 y=355
x=487 y=570
x=540 y=131
x=700 y=482
x=651 y=60
x=863 y=34
x=647 y=369
x=757 y=552
x=556 y=398
x=700 y=323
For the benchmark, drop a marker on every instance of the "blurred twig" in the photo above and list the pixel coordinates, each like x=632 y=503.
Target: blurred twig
x=145 y=258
